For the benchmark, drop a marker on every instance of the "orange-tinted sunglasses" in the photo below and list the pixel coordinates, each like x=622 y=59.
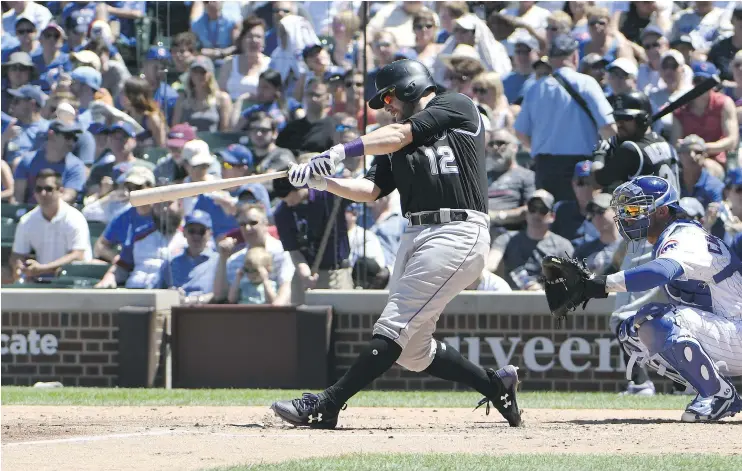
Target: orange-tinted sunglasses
x=387 y=97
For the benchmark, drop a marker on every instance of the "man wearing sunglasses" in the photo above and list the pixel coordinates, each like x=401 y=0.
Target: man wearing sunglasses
x=433 y=154
x=54 y=230
x=517 y=255
x=570 y=217
x=57 y=155
x=192 y=272
x=28 y=101
x=599 y=254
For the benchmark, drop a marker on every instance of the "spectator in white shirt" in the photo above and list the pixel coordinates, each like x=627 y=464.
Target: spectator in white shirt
x=54 y=230
x=37 y=13
x=253 y=224
x=397 y=17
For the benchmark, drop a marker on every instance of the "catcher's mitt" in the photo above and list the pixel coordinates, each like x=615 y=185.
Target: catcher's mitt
x=568 y=283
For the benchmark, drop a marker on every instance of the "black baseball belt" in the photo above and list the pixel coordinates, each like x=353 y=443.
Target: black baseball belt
x=430 y=218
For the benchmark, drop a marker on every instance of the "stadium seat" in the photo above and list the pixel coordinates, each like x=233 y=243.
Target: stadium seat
x=220 y=140
x=93 y=271
x=8 y=232
x=15 y=211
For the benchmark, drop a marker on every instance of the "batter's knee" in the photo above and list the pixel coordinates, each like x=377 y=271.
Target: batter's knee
x=418 y=356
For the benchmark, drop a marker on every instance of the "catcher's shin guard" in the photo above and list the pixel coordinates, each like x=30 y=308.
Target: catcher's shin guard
x=661 y=334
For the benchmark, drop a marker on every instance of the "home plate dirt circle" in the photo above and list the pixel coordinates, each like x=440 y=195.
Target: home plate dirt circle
x=198 y=437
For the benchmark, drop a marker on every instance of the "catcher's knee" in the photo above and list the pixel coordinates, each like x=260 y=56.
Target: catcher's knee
x=655 y=323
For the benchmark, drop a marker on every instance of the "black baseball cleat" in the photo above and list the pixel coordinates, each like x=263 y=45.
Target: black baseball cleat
x=308 y=411
x=505 y=381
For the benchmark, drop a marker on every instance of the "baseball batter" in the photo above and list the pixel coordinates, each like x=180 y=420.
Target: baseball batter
x=695 y=339
x=433 y=154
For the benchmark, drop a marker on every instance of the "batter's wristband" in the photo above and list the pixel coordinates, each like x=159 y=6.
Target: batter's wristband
x=354 y=148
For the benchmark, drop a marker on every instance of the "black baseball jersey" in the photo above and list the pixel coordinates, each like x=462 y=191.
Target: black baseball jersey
x=444 y=166
x=650 y=155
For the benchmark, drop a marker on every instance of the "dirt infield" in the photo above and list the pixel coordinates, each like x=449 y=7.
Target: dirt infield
x=196 y=437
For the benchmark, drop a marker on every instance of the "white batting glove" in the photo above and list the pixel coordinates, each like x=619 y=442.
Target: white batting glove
x=302 y=176
x=326 y=163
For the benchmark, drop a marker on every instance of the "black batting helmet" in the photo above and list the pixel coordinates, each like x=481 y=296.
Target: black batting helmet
x=407 y=78
x=633 y=106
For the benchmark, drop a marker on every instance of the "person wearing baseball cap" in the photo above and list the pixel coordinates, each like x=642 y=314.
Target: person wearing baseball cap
x=52 y=58
x=654 y=42
x=85 y=82
x=569 y=216
x=237 y=161
x=197 y=155
x=525 y=50
x=155 y=69
x=712 y=116
x=192 y=272
x=25 y=35
x=594 y=64
x=171 y=168
x=26 y=105
x=56 y=155
x=520 y=252
x=86 y=58
x=218 y=106
x=599 y=253
x=622 y=74
x=550 y=111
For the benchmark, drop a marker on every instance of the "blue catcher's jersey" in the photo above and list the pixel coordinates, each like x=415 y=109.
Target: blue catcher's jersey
x=712 y=274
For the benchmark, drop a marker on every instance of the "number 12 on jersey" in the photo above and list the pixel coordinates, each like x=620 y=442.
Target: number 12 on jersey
x=445 y=161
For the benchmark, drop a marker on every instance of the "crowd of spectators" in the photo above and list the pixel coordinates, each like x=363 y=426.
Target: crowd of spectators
x=103 y=98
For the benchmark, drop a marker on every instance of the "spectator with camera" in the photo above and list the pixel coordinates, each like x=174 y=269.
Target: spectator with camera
x=192 y=272
x=315 y=131
x=55 y=231
x=253 y=223
x=56 y=155
x=518 y=254
x=600 y=254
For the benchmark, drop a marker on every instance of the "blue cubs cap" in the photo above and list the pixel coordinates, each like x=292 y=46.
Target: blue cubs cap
x=582 y=169
x=236 y=154
x=32 y=92
x=199 y=217
x=704 y=69
x=652 y=29
x=128 y=128
x=88 y=76
x=158 y=53
x=734 y=177
x=97 y=128
x=563 y=45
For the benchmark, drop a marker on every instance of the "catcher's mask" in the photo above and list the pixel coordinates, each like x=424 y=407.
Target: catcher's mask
x=634 y=202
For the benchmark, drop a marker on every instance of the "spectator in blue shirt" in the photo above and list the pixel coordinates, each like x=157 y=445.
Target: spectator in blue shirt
x=237 y=161
x=280 y=9
x=26 y=108
x=120 y=229
x=549 y=113
x=57 y=156
x=83 y=13
x=85 y=82
x=51 y=56
x=77 y=34
x=526 y=53
x=125 y=13
x=17 y=71
x=26 y=33
x=156 y=61
x=696 y=181
x=271 y=100
x=216 y=32
x=192 y=273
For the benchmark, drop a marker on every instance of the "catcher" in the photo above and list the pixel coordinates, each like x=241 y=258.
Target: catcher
x=696 y=339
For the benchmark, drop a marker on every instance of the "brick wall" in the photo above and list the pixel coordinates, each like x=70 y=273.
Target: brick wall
x=86 y=352
x=86 y=348
x=472 y=332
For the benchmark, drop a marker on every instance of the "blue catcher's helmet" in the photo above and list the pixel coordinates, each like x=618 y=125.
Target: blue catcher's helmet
x=636 y=200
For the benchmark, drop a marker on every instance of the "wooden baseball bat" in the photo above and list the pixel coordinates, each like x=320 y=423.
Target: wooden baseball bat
x=686 y=98
x=184 y=190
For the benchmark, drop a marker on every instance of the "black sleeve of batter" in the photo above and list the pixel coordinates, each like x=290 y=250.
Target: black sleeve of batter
x=445 y=112
x=620 y=166
x=380 y=173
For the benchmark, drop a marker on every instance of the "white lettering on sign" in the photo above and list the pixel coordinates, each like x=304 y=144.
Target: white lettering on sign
x=536 y=348
x=33 y=344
